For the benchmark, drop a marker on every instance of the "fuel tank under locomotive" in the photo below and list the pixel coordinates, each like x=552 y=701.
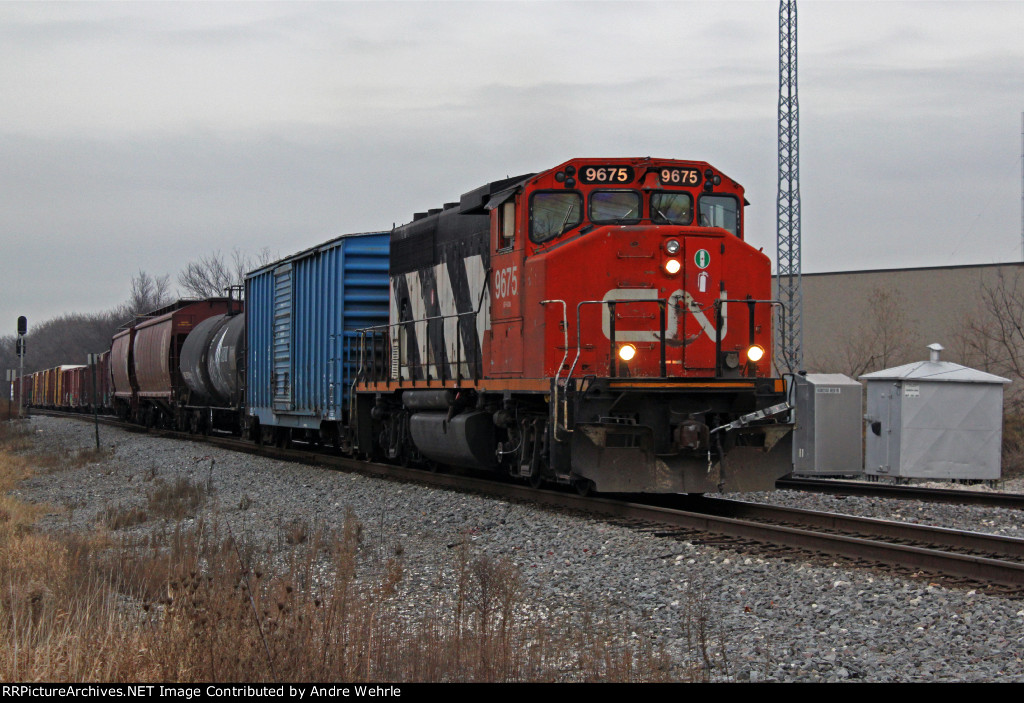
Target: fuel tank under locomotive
x=444 y=434
x=212 y=361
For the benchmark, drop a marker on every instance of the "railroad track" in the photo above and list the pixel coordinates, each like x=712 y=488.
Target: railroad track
x=992 y=562
x=882 y=490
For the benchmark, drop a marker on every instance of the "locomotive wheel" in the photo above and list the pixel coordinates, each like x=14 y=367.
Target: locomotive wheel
x=583 y=486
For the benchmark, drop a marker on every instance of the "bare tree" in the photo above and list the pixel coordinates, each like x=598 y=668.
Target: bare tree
x=147 y=293
x=882 y=337
x=993 y=338
x=211 y=275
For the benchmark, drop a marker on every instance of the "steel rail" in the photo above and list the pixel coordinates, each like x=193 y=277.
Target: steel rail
x=881 y=490
x=987 y=544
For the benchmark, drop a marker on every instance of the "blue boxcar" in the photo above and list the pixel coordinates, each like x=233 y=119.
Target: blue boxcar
x=302 y=314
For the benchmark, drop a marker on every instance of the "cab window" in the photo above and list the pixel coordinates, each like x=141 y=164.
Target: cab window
x=671 y=208
x=552 y=213
x=618 y=206
x=720 y=211
x=507 y=225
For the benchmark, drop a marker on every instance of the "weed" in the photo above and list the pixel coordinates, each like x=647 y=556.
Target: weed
x=296 y=532
x=176 y=500
x=116 y=518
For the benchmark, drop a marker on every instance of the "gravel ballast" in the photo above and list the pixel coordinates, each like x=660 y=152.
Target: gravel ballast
x=771 y=619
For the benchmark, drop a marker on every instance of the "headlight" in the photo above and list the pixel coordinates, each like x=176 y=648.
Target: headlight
x=627 y=352
x=755 y=353
x=672 y=247
x=672 y=266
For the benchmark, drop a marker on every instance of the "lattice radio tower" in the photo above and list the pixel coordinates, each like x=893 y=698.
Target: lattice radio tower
x=791 y=346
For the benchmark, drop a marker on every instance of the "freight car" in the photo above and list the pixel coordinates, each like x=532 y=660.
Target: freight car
x=212 y=364
x=602 y=324
x=57 y=387
x=303 y=315
x=71 y=378
x=69 y=387
x=95 y=385
x=149 y=385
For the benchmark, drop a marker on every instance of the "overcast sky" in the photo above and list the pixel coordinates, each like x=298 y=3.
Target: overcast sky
x=143 y=135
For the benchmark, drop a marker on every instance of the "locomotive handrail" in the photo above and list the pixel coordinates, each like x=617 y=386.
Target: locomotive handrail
x=565 y=331
x=382 y=332
x=717 y=304
x=718 y=323
x=561 y=365
x=611 y=328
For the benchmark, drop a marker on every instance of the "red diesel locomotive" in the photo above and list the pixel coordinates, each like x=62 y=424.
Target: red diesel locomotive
x=602 y=323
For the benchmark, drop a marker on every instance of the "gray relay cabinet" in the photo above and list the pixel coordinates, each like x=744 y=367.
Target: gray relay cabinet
x=827 y=438
x=934 y=419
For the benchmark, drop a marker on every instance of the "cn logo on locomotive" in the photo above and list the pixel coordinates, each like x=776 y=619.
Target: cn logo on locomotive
x=678 y=301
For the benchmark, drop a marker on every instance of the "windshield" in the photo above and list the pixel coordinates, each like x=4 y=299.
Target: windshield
x=618 y=206
x=671 y=208
x=554 y=213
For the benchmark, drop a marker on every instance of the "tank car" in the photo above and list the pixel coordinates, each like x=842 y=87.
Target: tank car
x=602 y=323
x=212 y=364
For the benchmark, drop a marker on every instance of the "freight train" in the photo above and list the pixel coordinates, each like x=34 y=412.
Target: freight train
x=601 y=324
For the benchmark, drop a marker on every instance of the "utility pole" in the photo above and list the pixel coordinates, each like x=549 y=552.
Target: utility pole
x=791 y=339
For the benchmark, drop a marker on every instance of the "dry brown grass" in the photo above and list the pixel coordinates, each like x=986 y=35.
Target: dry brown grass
x=195 y=605
x=177 y=499
x=119 y=517
x=15 y=437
